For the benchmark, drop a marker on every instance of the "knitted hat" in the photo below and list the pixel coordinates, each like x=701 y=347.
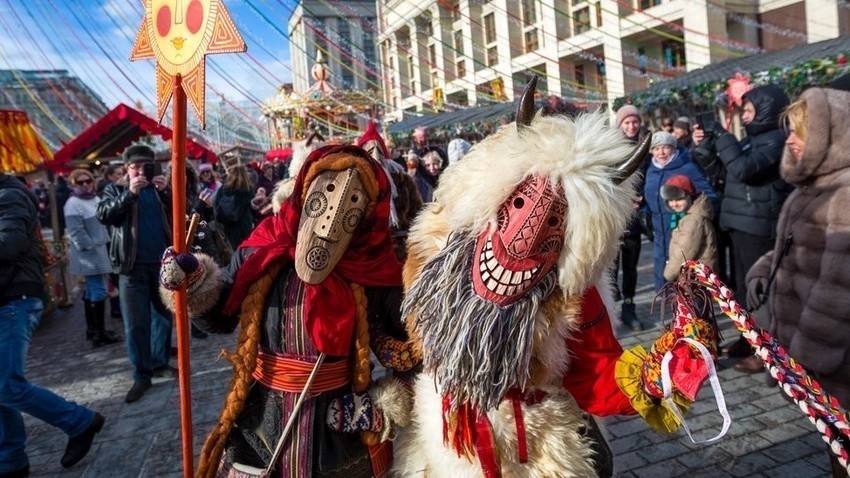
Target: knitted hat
x=678 y=187
x=683 y=122
x=137 y=153
x=626 y=111
x=661 y=138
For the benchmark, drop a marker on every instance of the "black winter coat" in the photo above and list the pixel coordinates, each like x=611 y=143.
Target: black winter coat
x=754 y=191
x=21 y=267
x=118 y=211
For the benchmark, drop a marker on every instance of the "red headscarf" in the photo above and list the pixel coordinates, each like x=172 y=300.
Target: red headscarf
x=329 y=309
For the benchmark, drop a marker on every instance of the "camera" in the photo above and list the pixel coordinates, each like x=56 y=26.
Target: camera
x=152 y=170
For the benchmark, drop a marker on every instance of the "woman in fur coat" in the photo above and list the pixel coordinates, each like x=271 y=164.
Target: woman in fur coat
x=810 y=294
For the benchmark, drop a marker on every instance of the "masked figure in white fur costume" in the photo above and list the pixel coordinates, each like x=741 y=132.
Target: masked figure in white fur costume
x=317 y=288
x=502 y=298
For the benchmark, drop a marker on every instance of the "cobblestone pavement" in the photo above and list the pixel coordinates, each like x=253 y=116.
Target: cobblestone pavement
x=769 y=437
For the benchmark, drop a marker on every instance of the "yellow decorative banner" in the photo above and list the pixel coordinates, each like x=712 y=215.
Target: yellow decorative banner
x=21 y=149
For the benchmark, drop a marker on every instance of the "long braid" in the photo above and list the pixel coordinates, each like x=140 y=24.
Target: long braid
x=362 y=371
x=244 y=362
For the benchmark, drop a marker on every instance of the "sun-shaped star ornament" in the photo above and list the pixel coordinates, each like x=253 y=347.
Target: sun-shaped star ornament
x=179 y=34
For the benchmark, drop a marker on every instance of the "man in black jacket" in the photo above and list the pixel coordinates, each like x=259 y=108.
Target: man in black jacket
x=754 y=191
x=138 y=216
x=21 y=292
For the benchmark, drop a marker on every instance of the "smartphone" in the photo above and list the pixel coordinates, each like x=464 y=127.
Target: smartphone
x=152 y=170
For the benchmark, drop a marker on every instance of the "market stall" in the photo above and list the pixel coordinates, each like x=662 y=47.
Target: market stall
x=115 y=131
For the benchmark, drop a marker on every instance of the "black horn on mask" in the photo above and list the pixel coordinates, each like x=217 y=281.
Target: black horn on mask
x=315 y=135
x=632 y=163
x=525 y=108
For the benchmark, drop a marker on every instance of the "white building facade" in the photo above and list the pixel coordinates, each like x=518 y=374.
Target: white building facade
x=444 y=54
x=345 y=32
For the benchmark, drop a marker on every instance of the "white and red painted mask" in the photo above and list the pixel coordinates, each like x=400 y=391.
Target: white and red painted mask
x=515 y=257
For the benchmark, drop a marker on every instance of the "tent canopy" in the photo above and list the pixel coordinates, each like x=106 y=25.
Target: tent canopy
x=467 y=115
x=754 y=63
x=116 y=130
x=21 y=149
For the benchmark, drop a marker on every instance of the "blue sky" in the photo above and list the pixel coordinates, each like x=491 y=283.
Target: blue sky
x=93 y=39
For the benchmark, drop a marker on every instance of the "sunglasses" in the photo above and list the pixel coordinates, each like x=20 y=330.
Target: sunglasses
x=84 y=181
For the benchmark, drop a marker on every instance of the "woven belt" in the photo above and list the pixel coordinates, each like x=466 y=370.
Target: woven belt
x=286 y=374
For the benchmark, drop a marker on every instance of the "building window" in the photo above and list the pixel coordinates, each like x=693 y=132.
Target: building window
x=459 y=42
x=580 y=74
x=489 y=28
x=454 y=8
x=411 y=73
x=492 y=56
x=318 y=29
x=461 y=69
x=432 y=55
x=347 y=80
x=344 y=32
x=428 y=26
x=674 y=54
x=531 y=40
x=529 y=12
x=582 y=21
x=644 y=4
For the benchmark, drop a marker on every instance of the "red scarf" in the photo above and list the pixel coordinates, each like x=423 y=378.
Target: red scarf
x=329 y=309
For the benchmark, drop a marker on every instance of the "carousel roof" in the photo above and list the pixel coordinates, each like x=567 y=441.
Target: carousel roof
x=320 y=97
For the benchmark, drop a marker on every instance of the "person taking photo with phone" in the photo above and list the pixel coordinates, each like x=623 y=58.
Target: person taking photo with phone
x=143 y=205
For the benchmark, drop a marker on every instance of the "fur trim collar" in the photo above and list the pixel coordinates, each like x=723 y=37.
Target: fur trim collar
x=829 y=137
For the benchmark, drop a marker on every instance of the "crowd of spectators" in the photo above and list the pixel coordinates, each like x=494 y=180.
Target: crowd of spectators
x=776 y=202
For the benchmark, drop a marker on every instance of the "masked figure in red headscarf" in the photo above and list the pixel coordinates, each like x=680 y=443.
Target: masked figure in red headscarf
x=316 y=289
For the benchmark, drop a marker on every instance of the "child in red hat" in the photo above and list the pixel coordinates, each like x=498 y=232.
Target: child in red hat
x=692 y=230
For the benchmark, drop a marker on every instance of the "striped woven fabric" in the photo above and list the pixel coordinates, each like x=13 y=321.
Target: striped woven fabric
x=286 y=374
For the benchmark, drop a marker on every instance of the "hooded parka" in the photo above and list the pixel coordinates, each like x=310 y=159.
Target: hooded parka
x=754 y=190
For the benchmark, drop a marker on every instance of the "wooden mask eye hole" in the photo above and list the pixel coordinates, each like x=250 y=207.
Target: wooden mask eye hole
x=519 y=203
x=330 y=188
x=553 y=221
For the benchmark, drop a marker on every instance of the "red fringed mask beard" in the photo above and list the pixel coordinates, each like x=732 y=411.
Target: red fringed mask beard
x=526 y=245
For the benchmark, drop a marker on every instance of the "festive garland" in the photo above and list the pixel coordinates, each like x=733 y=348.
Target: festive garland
x=822 y=410
x=793 y=79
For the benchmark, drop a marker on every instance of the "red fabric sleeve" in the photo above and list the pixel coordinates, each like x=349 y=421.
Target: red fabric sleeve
x=594 y=351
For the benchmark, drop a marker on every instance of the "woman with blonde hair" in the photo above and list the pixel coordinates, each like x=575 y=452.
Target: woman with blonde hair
x=805 y=279
x=89 y=257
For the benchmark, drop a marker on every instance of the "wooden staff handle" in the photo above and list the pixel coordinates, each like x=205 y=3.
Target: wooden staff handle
x=193 y=226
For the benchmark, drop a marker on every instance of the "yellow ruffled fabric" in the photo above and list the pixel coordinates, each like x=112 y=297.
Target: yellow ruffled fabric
x=628 y=373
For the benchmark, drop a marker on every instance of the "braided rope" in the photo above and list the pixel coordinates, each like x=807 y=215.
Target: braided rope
x=823 y=410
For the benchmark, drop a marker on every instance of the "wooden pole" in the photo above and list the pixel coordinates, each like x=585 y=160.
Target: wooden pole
x=181 y=314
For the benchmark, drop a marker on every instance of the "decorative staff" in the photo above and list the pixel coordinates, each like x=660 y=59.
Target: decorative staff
x=179 y=34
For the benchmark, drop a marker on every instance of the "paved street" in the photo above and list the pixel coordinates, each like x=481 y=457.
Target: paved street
x=768 y=437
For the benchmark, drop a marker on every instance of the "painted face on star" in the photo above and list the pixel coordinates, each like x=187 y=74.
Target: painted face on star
x=183 y=29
